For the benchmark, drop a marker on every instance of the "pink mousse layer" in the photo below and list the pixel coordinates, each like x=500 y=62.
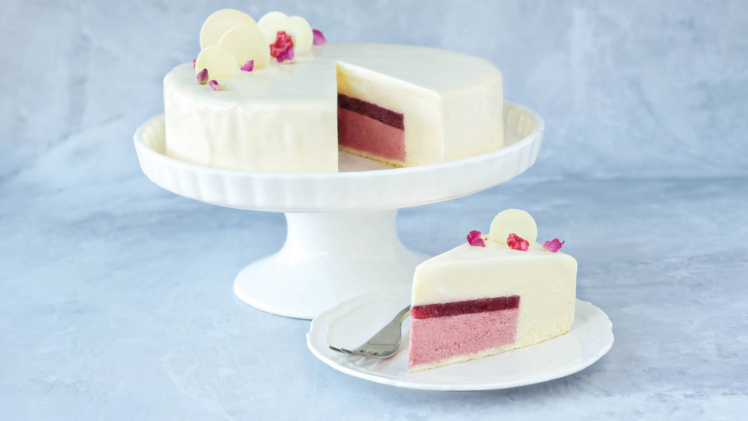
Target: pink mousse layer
x=436 y=339
x=363 y=133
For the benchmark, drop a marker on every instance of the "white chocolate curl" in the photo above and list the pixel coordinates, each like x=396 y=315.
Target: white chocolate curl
x=219 y=61
x=219 y=22
x=513 y=221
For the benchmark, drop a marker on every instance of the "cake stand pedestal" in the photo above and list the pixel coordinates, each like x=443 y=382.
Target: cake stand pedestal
x=341 y=239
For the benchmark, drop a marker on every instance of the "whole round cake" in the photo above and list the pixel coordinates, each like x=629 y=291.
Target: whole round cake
x=261 y=97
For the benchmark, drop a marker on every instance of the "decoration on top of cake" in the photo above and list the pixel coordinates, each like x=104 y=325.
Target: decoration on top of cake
x=248 y=66
x=475 y=238
x=215 y=86
x=219 y=61
x=202 y=76
x=221 y=21
x=246 y=42
x=513 y=221
x=231 y=39
x=304 y=34
x=517 y=243
x=319 y=38
x=274 y=22
x=282 y=48
x=553 y=245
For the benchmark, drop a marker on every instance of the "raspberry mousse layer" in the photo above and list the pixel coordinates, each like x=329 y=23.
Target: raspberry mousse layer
x=371 y=131
x=446 y=333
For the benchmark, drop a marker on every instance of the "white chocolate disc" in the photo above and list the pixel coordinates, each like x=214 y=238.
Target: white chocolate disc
x=246 y=42
x=219 y=22
x=219 y=61
x=513 y=221
x=273 y=22
x=304 y=35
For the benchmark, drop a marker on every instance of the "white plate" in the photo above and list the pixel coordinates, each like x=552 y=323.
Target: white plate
x=352 y=322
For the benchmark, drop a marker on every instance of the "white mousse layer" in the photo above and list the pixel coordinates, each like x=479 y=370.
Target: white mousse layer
x=544 y=281
x=283 y=118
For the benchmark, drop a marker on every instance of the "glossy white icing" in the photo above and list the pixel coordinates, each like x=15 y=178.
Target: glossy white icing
x=283 y=118
x=544 y=281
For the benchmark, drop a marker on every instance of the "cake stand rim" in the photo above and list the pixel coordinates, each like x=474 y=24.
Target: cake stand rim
x=151 y=160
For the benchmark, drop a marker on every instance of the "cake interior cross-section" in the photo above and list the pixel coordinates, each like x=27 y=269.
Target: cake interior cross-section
x=441 y=332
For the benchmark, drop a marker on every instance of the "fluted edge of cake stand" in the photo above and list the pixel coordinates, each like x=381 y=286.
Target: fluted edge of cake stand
x=341 y=239
x=351 y=191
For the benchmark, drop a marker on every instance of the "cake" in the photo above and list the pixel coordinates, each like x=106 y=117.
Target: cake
x=277 y=103
x=491 y=295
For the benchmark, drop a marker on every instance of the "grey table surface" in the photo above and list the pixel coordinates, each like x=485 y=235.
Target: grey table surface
x=116 y=297
x=116 y=302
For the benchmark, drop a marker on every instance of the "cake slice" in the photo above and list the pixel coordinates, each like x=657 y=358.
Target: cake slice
x=491 y=295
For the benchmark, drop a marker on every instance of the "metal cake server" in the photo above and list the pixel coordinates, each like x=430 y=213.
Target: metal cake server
x=384 y=343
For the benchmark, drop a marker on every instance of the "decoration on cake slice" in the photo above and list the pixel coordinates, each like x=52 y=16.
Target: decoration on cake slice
x=319 y=38
x=215 y=86
x=553 y=245
x=475 y=238
x=219 y=61
x=202 y=76
x=219 y=22
x=248 y=66
x=282 y=48
x=247 y=43
x=304 y=35
x=516 y=222
x=193 y=63
x=517 y=243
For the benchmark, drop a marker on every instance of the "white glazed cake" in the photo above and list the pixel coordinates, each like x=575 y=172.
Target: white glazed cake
x=403 y=105
x=491 y=295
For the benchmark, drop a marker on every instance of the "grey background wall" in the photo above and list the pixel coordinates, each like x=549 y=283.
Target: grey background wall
x=116 y=297
x=628 y=88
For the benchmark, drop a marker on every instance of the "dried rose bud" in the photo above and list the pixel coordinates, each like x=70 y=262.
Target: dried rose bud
x=202 y=77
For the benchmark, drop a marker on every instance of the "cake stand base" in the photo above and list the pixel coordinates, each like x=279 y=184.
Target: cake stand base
x=328 y=257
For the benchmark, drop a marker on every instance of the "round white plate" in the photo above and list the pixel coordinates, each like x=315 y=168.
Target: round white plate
x=352 y=322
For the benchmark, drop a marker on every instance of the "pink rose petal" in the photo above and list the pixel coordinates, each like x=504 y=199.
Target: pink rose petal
x=475 y=238
x=286 y=56
x=248 y=66
x=202 y=77
x=553 y=245
x=319 y=39
x=517 y=243
x=215 y=86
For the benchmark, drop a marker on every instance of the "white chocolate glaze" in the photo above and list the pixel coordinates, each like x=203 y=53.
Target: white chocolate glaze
x=284 y=118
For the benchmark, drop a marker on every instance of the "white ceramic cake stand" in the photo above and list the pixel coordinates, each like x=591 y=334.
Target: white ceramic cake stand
x=341 y=239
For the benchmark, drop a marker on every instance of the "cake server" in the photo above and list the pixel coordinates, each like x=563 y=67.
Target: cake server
x=384 y=343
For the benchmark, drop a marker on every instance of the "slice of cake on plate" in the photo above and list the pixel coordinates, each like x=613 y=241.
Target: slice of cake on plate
x=491 y=295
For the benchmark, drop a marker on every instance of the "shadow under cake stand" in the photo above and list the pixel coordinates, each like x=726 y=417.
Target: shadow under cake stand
x=341 y=239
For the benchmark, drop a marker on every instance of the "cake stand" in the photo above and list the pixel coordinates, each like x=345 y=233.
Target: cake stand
x=341 y=239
